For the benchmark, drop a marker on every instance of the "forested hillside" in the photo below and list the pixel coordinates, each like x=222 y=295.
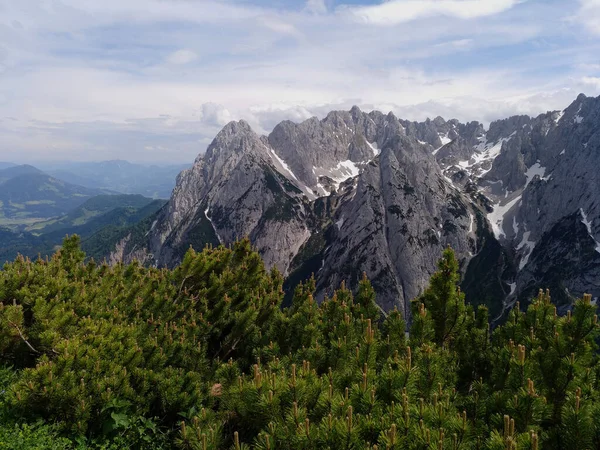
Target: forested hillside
x=203 y=357
x=93 y=221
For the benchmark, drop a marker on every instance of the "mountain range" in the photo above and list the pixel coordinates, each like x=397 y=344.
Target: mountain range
x=368 y=193
x=37 y=210
x=122 y=176
x=94 y=221
x=28 y=195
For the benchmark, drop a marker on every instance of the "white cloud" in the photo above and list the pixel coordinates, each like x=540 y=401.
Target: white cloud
x=97 y=81
x=214 y=114
x=394 y=12
x=458 y=43
x=279 y=26
x=181 y=57
x=589 y=15
x=594 y=82
x=316 y=6
x=149 y=11
x=264 y=118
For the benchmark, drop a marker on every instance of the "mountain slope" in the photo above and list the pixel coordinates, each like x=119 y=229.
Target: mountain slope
x=366 y=192
x=15 y=171
x=14 y=243
x=95 y=206
x=37 y=195
x=6 y=165
x=287 y=193
x=235 y=190
x=121 y=176
x=539 y=177
x=101 y=216
x=393 y=219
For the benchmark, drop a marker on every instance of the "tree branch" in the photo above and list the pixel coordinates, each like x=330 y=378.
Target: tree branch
x=23 y=337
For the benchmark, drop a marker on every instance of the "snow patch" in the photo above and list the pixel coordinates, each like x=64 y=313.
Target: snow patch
x=528 y=246
x=338 y=174
x=496 y=217
x=534 y=170
x=348 y=169
x=321 y=190
x=578 y=118
x=339 y=223
x=588 y=225
x=445 y=139
x=562 y=153
x=151 y=228
x=513 y=288
x=285 y=170
x=484 y=151
x=212 y=224
x=373 y=145
x=471 y=222
x=450 y=182
x=283 y=164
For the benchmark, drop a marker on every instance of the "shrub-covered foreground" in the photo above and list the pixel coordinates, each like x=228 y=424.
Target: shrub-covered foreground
x=202 y=357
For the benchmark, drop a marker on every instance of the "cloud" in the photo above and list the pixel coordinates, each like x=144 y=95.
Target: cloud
x=89 y=80
x=265 y=117
x=279 y=26
x=395 y=12
x=181 y=57
x=214 y=114
x=589 y=15
x=316 y=6
x=151 y=11
x=594 y=82
x=458 y=43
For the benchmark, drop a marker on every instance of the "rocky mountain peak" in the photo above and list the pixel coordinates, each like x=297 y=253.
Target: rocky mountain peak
x=504 y=128
x=438 y=121
x=367 y=192
x=355 y=112
x=323 y=153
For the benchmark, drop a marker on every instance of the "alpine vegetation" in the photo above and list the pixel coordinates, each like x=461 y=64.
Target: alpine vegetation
x=203 y=356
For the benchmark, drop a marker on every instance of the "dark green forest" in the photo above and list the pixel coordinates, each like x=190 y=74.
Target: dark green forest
x=204 y=357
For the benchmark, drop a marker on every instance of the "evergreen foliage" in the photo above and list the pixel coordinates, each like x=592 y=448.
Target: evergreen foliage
x=204 y=357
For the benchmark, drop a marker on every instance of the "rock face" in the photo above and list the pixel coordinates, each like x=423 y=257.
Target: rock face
x=540 y=177
x=366 y=192
x=238 y=188
x=348 y=194
x=393 y=227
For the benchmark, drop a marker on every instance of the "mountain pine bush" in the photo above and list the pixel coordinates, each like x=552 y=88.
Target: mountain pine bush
x=204 y=357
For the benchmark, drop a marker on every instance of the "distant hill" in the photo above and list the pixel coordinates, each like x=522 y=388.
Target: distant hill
x=91 y=209
x=5 y=165
x=15 y=171
x=121 y=217
x=105 y=212
x=28 y=195
x=121 y=176
x=14 y=243
x=100 y=244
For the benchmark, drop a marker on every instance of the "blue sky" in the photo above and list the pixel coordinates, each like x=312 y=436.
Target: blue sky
x=155 y=80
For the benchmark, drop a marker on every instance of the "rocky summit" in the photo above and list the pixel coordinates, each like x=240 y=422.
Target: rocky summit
x=369 y=193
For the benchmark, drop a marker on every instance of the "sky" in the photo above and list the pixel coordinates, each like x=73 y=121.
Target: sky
x=155 y=80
